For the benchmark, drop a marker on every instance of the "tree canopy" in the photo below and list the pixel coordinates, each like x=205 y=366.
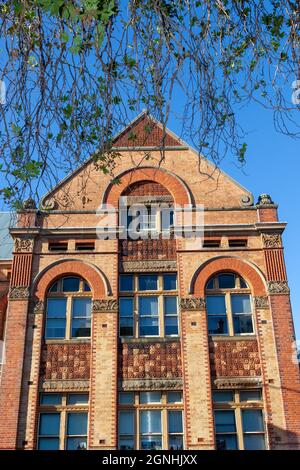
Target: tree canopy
x=76 y=72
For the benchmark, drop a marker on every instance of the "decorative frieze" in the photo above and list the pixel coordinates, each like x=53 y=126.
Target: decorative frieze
x=37 y=307
x=272 y=240
x=105 y=305
x=65 y=385
x=149 y=266
x=238 y=382
x=261 y=302
x=19 y=293
x=151 y=384
x=278 y=287
x=192 y=303
x=23 y=245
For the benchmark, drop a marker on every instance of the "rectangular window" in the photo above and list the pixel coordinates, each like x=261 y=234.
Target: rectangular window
x=238 y=243
x=148 y=316
x=57 y=246
x=126 y=430
x=150 y=397
x=242 y=313
x=126 y=283
x=50 y=399
x=151 y=432
x=171 y=315
x=77 y=398
x=216 y=311
x=76 y=431
x=170 y=281
x=56 y=318
x=239 y=420
x=85 y=246
x=81 y=317
x=49 y=428
x=126 y=316
x=148 y=282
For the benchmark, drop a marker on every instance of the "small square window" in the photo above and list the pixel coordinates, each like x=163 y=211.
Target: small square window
x=174 y=397
x=78 y=398
x=170 y=281
x=148 y=282
x=126 y=398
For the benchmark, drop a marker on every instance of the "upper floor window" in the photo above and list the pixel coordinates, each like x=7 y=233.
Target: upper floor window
x=149 y=218
x=148 y=305
x=229 y=305
x=68 y=309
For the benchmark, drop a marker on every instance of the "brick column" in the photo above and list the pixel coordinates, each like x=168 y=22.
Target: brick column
x=284 y=339
x=199 y=429
x=103 y=383
x=11 y=379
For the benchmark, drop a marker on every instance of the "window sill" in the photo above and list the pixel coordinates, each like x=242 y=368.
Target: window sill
x=232 y=338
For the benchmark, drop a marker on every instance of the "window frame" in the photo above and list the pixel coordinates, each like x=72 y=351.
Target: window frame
x=160 y=293
x=228 y=293
x=69 y=296
x=63 y=409
x=163 y=406
x=238 y=406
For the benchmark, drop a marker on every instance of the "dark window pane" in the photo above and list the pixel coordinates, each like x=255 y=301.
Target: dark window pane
x=81 y=328
x=148 y=306
x=126 y=398
x=217 y=325
x=126 y=307
x=215 y=304
x=126 y=326
x=171 y=326
x=243 y=283
x=254 y=442
x=86 y=287
x=149 y=326
x=126 y=443
x=54 y=287
x=48 y=443
x=78 y=398
x=252 y=421
x=55 y=328
x=151 y=443
x=175 y=421
x=150 y=422
x=226 y=281
x=242 y=324
x=250 y=395
x=82 y=307
x=240 y=303
x=170 y=305
x=170 y=281
x=210 y=284
x=49 y=424
x=148 y=282
x=77 y=424
x=150 y=397
x=174 y=397
x=167 y=218
x=224 y=421
x=222 y=397
x=226 y=442
x=76 y=443
x=71 y=284
x=175 y=442
x=56 y=308
x=126 y=283
x=50 y=399
x=126 y=423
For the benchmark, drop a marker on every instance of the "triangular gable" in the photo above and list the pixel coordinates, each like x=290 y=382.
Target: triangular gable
x=145 y=131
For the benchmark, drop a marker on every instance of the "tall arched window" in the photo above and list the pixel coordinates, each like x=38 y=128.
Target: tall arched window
x=228 y=305
x=68 y=309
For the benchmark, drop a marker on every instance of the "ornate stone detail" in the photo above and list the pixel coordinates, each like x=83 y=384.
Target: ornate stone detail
x=149 y=266
x=271 y=240
x=65 y=385
x=278 y=287
x=23 y=245
x=38 y=307
x=238 y=382
x=247 y=200
x=105 y=305
x=151 y=384
x=48 y=204
x=192 y=303
x=29 y=204
x=148 y=200
x=261 y=302
x=18 y=293
x=265 y=200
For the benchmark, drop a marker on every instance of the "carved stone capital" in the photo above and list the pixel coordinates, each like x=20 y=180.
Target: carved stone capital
x=37 y=307
x=261 y=302
x=105 y=305
x=23 y=245
x=237 y=382
x=278 y=287
x=149 y=266
x=272 y=240
x=151 y=384
x=19 y=293
x=192 y=303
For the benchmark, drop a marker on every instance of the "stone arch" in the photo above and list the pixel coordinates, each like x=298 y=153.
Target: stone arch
x=96 y=279
x=171 y=182
x=248 y=271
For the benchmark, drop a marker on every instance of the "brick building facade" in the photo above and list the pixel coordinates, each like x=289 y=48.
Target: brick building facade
x=148 y=343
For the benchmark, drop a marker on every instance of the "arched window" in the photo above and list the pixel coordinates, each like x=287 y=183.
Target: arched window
x=228 y=305
x=68 y=309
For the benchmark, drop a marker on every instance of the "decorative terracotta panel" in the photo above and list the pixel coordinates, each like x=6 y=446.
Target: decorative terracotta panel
x=234 y=358
x=65 y=361
x=150 y=361
x=164 y=249
x=146 y=188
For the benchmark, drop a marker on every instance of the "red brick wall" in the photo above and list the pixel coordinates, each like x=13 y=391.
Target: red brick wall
x=150 y=361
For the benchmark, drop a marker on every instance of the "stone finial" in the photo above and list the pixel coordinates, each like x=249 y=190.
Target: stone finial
x=29 y=204
x=265 y=200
